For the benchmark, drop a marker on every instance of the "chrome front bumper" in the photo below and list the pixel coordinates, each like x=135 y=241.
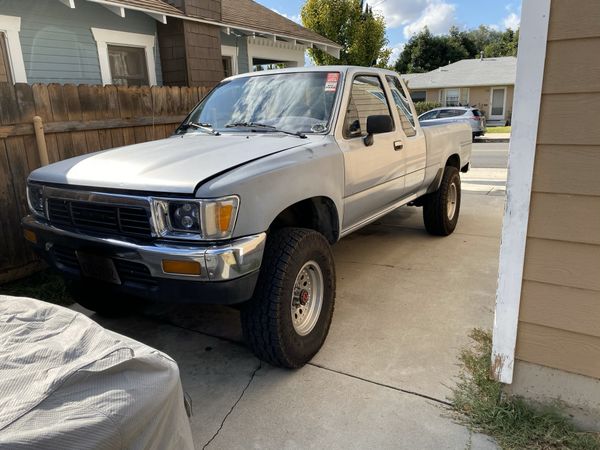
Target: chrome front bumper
x=222 y=262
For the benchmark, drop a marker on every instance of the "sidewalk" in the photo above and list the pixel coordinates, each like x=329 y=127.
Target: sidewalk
x=494 y=137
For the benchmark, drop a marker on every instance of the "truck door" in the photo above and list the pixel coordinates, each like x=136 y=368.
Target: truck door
x=413 y=140
x=374 y=174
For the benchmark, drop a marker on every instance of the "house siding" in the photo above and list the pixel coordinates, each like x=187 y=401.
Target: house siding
x=57 y=42
x=560 y=299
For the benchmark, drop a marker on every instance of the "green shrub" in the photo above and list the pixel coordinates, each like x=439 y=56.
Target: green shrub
x=422 y=107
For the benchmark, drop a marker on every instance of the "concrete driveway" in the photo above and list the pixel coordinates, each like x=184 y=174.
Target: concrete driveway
x=405 y=304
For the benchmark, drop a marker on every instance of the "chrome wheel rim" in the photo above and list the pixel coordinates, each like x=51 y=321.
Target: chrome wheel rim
x=307 y=298
x=451 y=201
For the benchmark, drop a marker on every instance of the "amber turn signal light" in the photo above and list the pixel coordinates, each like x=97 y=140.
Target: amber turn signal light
x=181 y=267
x=30 y=236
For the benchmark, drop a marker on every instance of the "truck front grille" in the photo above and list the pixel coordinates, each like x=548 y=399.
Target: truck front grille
x=102 y=218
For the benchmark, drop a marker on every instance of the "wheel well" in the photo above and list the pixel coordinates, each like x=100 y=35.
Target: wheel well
x=316 y=213
x=454 y=161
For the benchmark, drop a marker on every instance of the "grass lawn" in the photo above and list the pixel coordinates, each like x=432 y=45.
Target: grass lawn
x=498 y=130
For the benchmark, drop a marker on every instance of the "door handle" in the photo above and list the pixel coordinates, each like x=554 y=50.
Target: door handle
x=398 y=145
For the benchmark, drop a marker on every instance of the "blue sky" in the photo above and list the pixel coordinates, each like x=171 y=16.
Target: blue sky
x=406 y=17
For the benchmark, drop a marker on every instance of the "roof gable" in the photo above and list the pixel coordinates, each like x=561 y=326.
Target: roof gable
x=467 y=72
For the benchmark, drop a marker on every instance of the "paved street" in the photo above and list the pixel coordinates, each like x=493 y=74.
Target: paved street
x=490 y=155
x=405 y=304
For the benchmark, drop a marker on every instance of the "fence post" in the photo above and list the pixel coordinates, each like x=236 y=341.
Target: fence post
x=38 y=127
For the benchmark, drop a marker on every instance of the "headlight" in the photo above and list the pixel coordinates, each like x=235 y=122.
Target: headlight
x=35 y=199
x=195 y=219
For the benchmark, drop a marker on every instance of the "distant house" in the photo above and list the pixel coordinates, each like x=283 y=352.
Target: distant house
x=146 y=42
x=487 y=83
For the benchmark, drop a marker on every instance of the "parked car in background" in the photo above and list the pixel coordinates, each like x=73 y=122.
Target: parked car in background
x=442 y=116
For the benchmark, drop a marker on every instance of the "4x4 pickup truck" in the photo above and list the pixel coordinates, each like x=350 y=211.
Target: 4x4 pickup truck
x=242 y=203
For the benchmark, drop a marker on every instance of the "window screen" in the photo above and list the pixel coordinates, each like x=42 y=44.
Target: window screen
x=403 y=105
x=5 y=76
x=128 y=65
x=452 y=97
x=418 y=96
x=367 y=98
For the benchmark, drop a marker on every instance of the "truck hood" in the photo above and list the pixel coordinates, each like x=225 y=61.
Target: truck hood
x=176 y=164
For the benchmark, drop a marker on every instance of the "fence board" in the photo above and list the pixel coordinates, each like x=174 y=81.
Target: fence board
x=77 y=120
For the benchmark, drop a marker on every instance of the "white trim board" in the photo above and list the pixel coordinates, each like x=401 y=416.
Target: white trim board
x=525 y=117
x=10 y=26
x=104 y=37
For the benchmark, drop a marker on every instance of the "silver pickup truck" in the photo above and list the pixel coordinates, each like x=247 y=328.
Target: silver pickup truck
x=242 y=203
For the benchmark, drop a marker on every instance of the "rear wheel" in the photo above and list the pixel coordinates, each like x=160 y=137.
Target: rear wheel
x=288 y=318
x=441 y=208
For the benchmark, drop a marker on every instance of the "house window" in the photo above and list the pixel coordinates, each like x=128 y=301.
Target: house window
x=230 y=61
x=5 y=74
x=418 y=96
x=12 y=67
x=128 y=65
x=451 y=97
x=125 y=58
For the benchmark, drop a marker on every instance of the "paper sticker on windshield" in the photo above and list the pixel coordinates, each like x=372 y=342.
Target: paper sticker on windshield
x=332 y=81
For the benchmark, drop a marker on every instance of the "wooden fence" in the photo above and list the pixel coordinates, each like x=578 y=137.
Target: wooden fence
x=77 y=120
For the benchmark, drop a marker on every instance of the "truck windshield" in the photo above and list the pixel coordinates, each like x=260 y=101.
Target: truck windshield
x=298 y=102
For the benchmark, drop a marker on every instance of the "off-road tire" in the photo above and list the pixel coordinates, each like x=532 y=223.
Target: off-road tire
x=267 y=318
x=435 y=205
x=96 y=297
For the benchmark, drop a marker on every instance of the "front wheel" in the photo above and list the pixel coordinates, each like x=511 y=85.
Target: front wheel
x=288 y=318
x=441 y=208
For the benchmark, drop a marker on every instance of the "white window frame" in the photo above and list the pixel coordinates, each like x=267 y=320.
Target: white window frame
x=104 y=38
x=232 y=52
x=10 y=26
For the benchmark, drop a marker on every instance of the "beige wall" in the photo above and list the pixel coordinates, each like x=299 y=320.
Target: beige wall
x=559 y=320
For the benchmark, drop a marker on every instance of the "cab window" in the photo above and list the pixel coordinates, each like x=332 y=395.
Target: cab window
x=367 y=98
x=403 y=106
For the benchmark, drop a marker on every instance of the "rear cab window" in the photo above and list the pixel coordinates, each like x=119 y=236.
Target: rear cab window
x=407 y=120
x=367 y=98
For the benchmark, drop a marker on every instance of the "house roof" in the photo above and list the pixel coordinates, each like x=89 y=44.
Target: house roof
x=466 y=73
x=244 y=15
x=249 y=14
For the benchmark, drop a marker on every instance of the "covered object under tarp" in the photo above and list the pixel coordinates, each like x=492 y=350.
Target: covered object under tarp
x=66 y=382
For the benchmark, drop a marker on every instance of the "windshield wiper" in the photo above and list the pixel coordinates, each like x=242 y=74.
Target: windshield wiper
x=300 y=134
x=206 y=127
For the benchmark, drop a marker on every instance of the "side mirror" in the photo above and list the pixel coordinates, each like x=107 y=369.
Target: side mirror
x=376 y=125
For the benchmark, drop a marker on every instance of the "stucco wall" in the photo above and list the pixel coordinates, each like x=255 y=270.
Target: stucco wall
x=57 y=43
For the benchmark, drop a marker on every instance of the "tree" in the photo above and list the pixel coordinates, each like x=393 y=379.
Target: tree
x=425 y=52
x=353 y=25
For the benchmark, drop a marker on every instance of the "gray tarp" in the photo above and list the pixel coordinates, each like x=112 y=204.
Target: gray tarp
x=66 y=382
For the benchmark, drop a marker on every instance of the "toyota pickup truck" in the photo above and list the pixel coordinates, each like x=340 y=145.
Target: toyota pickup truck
x=242 y=204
